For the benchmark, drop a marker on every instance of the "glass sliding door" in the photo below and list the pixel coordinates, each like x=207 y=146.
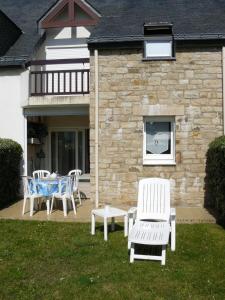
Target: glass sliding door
x=68 y=151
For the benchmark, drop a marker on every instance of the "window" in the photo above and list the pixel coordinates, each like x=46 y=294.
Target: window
x=159 y=141
x=158 y=41
x=158 y=49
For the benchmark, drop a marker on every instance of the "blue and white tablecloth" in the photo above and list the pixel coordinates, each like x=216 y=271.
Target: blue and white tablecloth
x=47 y=187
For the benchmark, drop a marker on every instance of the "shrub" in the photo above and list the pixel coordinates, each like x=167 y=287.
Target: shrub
x=215 y=177
x=10 y=159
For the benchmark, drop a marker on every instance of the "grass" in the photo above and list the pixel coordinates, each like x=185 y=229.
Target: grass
x=41 y=260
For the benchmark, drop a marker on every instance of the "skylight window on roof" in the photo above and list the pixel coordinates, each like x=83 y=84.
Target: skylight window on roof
x=158 y=42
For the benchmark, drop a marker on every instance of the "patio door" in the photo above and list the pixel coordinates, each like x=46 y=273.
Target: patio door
x=69 y=151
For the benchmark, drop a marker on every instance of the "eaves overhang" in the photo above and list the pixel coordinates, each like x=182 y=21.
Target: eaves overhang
x=136 y=38
x=12 y=61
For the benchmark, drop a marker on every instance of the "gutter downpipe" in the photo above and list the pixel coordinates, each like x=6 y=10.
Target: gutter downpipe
x=25 y=146
x=223 y=62
x=96 y=129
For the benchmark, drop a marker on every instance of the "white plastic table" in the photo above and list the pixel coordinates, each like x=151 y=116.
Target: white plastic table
x=105 y=213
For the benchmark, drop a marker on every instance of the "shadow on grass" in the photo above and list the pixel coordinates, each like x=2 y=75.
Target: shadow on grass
x=117 y=227
x=220 y=220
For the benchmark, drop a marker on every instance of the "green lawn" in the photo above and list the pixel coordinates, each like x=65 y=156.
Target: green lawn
x=46 y=260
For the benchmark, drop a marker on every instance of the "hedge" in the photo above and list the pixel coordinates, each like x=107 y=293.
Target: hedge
x=215 y=177
x=10 y=162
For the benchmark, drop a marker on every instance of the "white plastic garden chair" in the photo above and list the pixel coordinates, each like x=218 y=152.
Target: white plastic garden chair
x=30 y=194
x=76 y=174
x=65 y=193
x=41 y=174
x=153 y=219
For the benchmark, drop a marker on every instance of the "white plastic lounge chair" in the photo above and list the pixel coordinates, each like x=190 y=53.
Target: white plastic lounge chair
x=41 y=174
x=76 y=174
x=29 y=194
x=65 y=193
x=153 y=219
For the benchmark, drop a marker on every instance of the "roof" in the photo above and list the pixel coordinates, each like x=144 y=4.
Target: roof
x=9 y=33
x=192 y=20
x=121 y=20
x=24 y=13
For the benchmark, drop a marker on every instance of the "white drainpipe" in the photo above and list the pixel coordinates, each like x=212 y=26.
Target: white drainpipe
x=96 y=129
x=223 y=60
x=25 y=167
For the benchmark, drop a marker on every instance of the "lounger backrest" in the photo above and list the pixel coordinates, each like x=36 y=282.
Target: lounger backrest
x=153 y=199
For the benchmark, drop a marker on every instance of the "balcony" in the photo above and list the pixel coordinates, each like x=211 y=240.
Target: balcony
x=59 y=77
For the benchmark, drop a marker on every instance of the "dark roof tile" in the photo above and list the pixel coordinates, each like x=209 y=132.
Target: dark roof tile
x=9 y=33
x=122 y=20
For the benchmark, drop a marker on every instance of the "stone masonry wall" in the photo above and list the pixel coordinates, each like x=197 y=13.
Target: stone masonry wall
x=189 y=88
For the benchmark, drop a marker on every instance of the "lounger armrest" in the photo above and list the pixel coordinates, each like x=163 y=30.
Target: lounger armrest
x=132 y=213
x=173 y=228
x=173 y=213
x=132 y=210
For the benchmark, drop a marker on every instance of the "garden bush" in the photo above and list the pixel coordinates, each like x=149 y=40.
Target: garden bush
x=10 y=161
x=215 y=177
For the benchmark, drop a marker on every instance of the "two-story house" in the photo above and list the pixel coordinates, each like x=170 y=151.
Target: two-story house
x=119 y=89
x=45 y=81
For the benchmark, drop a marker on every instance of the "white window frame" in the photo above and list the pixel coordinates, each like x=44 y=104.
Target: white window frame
x=160 y=40
x=160 y=44
x=159 y=159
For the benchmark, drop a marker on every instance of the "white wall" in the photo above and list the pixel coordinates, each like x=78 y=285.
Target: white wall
x=14 y=83
x=65 y=38
x=13 y=94
x=65 y=43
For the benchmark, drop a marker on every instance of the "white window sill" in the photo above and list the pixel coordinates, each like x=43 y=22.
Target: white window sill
x=152 y=162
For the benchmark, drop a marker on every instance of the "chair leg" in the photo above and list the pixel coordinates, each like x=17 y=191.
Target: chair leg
x=173 y=235
x=163 y=261
x=48 y=206
x=128 y=244
x=64 y=201
x=125 y=226
x=73 y=204
x=31 y=206
x=105 y=229
x=24 y=205
x=132 y=253
x=53 y=198
x=130 y=226
x=92 y=224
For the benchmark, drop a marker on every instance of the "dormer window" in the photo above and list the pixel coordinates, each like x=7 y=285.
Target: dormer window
x=158 y=42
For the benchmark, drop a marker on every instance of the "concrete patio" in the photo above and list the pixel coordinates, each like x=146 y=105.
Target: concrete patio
x=14 y=211
x=184 y=214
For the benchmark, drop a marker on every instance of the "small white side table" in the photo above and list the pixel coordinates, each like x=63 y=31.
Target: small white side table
x=105 y=213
